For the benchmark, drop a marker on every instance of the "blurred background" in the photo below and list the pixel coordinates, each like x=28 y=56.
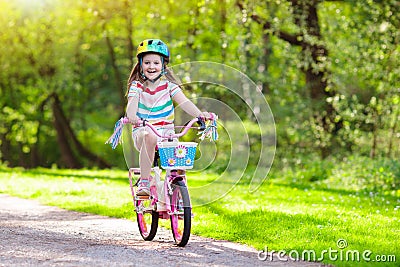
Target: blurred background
x=328 y=69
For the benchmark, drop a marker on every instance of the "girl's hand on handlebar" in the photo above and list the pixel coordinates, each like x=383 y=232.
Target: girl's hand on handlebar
x=207 y=115
x=135 y=120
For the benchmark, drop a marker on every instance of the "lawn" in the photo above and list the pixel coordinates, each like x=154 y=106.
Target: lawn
x=337 y=226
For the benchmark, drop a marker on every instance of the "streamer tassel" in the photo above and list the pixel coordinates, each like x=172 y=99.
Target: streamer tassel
x=115 y=138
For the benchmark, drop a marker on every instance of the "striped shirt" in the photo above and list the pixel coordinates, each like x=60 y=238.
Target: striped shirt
x=155 y=106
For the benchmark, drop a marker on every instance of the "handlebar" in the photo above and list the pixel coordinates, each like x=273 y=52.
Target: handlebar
x=199 y=120
x=209 y=130
x=171 y=136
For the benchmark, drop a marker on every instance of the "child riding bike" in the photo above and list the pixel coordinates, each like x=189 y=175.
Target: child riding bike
x=151 y=91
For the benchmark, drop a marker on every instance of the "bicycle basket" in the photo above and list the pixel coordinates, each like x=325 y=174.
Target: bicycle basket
x=177 y=155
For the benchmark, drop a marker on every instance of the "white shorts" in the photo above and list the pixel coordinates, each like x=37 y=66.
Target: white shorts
x=163 y=130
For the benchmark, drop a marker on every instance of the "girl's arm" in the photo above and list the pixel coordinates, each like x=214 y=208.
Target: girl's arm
x=188 y=106
x=131 y=109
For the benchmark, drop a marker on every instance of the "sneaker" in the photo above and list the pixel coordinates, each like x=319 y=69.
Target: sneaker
x=143 y=187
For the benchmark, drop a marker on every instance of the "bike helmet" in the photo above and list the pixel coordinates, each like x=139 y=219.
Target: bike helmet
x=153 y=46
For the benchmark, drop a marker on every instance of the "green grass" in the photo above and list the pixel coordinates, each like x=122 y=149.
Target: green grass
x=279 y=216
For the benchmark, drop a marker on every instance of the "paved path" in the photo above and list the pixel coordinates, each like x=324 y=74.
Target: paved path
x=35 y=235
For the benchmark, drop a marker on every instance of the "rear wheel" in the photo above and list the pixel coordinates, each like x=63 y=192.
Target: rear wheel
x=181 y=217
x=147 y=218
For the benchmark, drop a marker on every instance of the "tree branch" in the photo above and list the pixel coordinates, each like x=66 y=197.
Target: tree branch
x=293 y=39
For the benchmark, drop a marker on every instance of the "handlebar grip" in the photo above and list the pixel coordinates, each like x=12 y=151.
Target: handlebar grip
x=201 y=123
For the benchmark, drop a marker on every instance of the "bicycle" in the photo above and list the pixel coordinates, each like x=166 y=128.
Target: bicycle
x=169 y=198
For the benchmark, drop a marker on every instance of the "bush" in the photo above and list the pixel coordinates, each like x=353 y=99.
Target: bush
x=355 y=173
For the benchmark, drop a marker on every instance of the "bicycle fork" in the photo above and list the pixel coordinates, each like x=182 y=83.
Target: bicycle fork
x=170 y=178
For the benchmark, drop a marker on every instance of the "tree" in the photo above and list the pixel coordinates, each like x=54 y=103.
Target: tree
x=308 y=26
x=313 y=55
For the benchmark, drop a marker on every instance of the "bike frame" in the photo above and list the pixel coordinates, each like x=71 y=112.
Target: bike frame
x=172 y=175
x=168 y=181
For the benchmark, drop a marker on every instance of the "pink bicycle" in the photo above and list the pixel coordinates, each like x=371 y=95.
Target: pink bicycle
x=169 y=198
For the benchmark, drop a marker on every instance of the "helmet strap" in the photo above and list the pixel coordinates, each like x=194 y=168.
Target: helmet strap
x=163 y=71
x=155 y=79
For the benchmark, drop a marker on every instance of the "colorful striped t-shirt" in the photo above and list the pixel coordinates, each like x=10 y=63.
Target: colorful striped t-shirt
x=155 y=106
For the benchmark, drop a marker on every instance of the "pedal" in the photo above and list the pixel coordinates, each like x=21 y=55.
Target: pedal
x=135 y=171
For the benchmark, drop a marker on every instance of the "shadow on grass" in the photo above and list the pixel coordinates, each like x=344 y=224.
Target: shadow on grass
x=300 y=232
x=282 y=231
x=259 y=221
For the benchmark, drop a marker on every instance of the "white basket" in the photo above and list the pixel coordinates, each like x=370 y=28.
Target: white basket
x=177 y=155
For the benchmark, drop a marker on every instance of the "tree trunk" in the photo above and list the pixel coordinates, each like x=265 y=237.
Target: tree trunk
x=306 y=17
x=66 y=138
x=265 y=62
x=118 y=78
x=68 y=132
x=129 y=30
x=67 y=154
x=223 y=18
x=393 y=132
x=35 y=156
x=192 y=30
x=5 y=148
x=374 y=141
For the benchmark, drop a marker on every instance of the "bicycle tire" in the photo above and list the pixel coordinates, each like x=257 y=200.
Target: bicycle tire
x=146 y=220
x=181 y=217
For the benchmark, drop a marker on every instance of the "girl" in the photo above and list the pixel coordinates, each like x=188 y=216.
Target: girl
x=151 y=90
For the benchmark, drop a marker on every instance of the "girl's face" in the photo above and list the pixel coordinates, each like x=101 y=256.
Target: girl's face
x=152 y=66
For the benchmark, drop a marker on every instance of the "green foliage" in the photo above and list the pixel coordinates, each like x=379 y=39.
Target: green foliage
x=363 y=174
x=355 y=173
x=83 y=51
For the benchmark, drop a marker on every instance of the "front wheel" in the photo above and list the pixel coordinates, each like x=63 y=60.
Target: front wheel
x=181 y=216
x=147 y=219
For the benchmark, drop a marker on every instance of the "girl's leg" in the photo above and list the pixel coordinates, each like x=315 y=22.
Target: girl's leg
x=146 y=143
